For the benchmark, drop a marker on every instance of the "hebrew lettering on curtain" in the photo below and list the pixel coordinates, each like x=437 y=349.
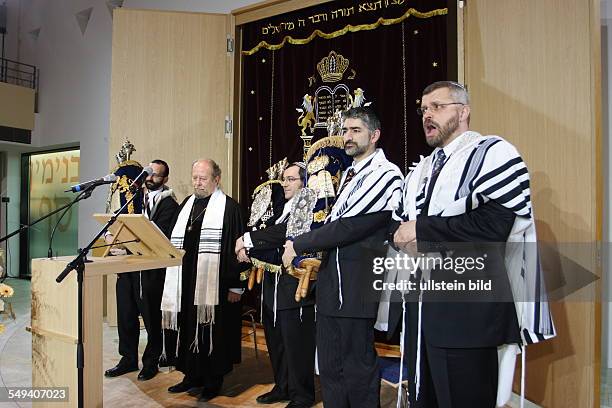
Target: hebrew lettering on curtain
x=302 y=68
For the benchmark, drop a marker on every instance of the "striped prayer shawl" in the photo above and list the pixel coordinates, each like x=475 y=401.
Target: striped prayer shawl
x=484 y=168
x=375 y=187
x=206 y=295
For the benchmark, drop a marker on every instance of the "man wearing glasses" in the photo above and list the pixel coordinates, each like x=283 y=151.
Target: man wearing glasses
x=289 y=325
x=473 y=190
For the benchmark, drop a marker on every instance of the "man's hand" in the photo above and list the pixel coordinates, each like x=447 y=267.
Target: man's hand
x=109 y=238
x=239 y=245
x=289 y=253
x=405 y=233
x=242 y=256
x=405 y=237
x=233 y=297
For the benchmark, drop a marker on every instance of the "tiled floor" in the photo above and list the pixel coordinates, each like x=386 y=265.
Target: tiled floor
x=248 y=380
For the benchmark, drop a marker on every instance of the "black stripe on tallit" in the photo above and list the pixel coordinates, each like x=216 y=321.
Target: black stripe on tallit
x=496 y=172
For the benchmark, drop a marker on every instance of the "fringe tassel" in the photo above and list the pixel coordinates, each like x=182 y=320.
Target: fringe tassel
x=261 y=301
x=163 y=354
x=169 y=320
x=210 y=345
x=339 y=279
x=417 y=377
x=276 y=277
x=195 y=346
x=401 y=373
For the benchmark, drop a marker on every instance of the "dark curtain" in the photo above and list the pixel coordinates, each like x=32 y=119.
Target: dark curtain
x=407 y=48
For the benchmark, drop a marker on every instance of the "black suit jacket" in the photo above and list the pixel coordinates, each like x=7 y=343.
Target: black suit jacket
x=163 y=213
x=465 y=319
x=273 y=238
x=355 y=241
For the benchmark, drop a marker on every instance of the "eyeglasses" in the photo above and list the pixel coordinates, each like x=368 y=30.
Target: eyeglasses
x=435 y=107
x=289 y=179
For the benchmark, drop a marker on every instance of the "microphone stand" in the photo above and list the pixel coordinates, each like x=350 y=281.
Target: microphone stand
x=78 y=264
x=24 y=227
x=85 y=194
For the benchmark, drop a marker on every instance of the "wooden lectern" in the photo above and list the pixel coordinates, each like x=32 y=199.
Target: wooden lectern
x=54 y=307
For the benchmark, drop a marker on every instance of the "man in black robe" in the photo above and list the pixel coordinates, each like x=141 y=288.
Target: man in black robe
x=204 y=364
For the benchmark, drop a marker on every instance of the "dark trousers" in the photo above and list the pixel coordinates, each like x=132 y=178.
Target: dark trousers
x=130 y=305
x=452 y=377
x=348 y=364
x=291 y=346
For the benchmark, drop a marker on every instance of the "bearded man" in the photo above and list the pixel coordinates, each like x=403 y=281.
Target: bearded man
x=470 y=199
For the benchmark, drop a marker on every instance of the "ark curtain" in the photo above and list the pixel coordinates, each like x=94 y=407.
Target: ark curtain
x=394 y=49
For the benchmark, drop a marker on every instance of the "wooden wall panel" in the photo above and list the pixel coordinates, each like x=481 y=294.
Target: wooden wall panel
x=533 y=72
x=171 y=90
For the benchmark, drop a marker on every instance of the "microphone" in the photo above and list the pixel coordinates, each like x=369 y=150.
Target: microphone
x=139 y=180
x=108 y=179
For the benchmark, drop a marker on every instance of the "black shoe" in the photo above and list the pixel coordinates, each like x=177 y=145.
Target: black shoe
x=207 y=395
x=120 y=369
x=183 y=386
x=272 y=397
x=294 y=404
x=147 y=373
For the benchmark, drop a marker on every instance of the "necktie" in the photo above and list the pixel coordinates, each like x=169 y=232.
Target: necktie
x=435 y=171
x=349 y=176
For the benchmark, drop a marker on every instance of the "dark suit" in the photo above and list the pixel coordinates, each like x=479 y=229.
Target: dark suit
x=140 y=293
x=461 y=331
x=291 y=340
x=345 y=332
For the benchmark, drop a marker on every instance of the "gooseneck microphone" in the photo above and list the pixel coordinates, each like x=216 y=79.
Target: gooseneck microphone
x=108 y=179
x=139 y=180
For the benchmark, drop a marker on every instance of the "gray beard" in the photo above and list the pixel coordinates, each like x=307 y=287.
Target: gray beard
x=198 y=195
x=445 y=133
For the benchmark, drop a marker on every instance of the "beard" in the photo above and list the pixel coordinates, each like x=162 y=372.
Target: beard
x=353 y=149
x=201 y=193
x=444 y=132
x=152 y=186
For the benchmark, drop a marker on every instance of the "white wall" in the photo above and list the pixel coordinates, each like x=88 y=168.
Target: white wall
x=75 y=72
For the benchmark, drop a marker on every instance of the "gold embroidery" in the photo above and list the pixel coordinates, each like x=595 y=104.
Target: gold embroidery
x=320 y=216
x=346 y=29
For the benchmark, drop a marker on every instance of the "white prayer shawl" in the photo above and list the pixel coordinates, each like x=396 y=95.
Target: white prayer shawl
x=484 y=168
x=376 y=186
x=206 y=295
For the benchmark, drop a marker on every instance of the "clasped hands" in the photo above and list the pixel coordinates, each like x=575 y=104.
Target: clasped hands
x=404 y=237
